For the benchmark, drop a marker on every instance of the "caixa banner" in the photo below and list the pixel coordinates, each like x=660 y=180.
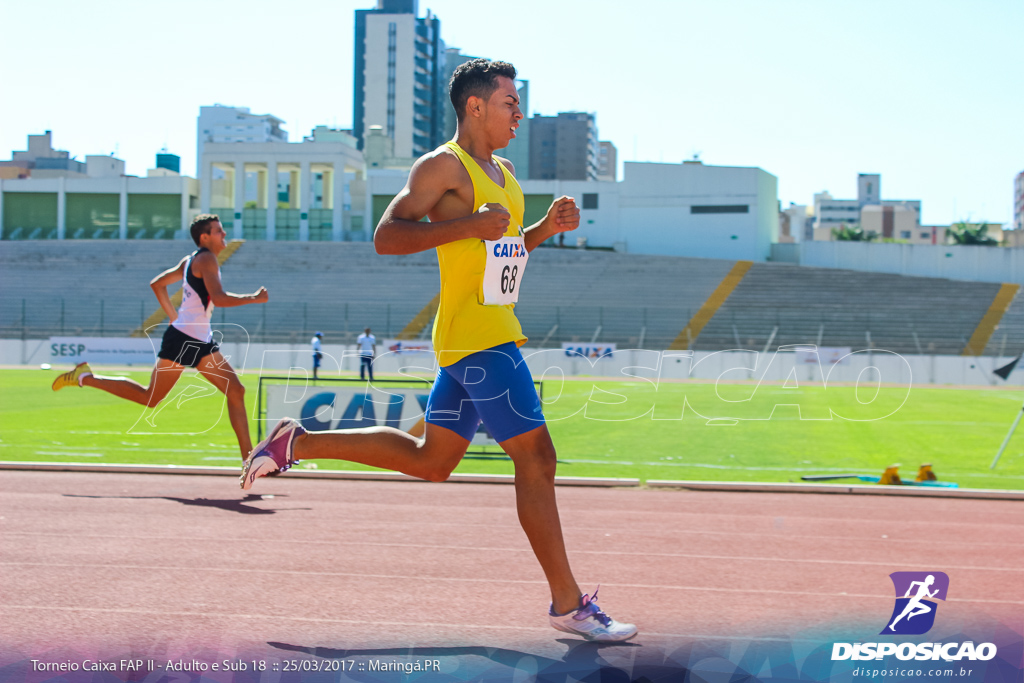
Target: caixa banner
x=100 y=350
x=321 y=407
x=591 y=351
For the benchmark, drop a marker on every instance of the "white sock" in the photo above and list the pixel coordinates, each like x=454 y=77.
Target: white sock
x=83 y=376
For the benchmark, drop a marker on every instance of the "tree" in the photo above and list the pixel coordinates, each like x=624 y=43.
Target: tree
x=852 y=233
x=963 y=232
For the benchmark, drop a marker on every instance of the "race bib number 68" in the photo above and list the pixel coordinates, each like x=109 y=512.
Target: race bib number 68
x=503 y=274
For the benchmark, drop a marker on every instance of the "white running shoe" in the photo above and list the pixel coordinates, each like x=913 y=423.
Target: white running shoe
x=591 y=623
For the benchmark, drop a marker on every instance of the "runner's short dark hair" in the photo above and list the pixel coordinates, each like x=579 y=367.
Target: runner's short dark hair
x=476 y=78
x=201 y=225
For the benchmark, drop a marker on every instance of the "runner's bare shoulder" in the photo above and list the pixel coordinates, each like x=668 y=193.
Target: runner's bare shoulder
x=441 y=169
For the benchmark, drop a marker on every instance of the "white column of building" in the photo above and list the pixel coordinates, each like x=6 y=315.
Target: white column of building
x=368 y=226
x=206 y=187
x=338 y=197
x=305 y=195
x=185 y=205
x=122 y=229
x=62 y=208
x=272 y=200
x=239 y=198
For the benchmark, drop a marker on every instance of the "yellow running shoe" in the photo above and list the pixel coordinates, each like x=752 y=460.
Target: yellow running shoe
x=71 y=377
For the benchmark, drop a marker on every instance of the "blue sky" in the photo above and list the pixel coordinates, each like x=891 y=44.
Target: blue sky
x=929 y=94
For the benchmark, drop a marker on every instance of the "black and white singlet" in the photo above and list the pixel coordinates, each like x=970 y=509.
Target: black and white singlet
x=196 y=308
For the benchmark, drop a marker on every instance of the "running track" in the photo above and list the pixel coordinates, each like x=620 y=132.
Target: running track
x=190 y=566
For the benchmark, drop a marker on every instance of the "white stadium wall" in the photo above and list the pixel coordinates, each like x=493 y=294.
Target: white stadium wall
x=979 y=264
x=744 y=366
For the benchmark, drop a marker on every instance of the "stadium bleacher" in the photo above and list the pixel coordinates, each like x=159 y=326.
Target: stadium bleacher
x=99 y=288
x=1008 y=340
x=839 y=308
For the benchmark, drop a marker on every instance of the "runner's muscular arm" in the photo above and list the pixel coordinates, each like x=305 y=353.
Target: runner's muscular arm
x=563 y=215
x=400 y=230
x=206 y=264
x=159 y=287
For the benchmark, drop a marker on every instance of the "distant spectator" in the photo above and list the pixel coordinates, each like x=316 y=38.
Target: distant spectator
x=317 y=355
x=367 y=344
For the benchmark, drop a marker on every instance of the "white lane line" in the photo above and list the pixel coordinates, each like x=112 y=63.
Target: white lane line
x=905 y=564
x=403 y=577
x=364 y=622
x=75 y=453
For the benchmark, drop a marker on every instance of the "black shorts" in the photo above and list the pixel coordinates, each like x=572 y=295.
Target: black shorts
x=183 y=349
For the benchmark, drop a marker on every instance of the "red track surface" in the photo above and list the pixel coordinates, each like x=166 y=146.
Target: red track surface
x=191 y=566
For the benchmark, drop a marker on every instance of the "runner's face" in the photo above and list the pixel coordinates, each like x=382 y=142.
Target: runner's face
x=216 y=240
x=503 y=113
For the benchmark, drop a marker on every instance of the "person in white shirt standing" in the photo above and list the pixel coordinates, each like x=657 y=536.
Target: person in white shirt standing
x=367 y=344
x=317 y=355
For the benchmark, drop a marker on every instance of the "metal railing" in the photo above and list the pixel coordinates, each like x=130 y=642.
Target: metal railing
x=547 y=326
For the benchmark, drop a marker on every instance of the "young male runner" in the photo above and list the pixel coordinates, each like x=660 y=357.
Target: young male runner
x=475 y=208
x=188 y=341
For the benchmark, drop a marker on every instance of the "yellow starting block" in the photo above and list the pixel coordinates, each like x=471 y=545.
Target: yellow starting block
x=891 y=476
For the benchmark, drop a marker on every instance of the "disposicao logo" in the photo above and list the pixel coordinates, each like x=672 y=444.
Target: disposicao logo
x=914 y=614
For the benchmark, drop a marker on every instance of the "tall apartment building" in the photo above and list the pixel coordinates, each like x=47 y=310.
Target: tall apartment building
x=453 y=58
x=563 y=147
x=399 y=84
x=235 y=124
x=518 y=150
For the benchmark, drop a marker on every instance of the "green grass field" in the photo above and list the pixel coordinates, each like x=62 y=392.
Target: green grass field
x=601 y=429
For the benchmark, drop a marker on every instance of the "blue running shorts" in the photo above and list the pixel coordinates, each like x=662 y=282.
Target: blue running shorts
x=493 y=385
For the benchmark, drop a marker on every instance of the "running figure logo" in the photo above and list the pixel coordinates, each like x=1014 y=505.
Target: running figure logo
x=914 y=614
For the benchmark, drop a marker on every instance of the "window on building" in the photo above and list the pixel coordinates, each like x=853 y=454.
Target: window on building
x=905 y=234
x=721 y=208
x=925 y=235
x=590 y=200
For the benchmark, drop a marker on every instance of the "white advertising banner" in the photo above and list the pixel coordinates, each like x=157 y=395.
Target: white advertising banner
x=826 y=355
x=113 y=350
x=408 y=346
x=320 y=408
x=591 y=351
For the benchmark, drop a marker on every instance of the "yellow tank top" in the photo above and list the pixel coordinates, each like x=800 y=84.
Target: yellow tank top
x=464 y=325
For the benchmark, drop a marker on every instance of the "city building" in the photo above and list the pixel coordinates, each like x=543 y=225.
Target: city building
x=685 y=209
x=222 y=124
x=563 y=147
x=453 y=59
x=42 y=161
x=518 y=149
x=831 y=214
x=1018 y=202
x=101 y=203
x=889 y=222
x=799 y=221
x=398 y=80
x=607 y=161
x=287 y=191
x=379 y=151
